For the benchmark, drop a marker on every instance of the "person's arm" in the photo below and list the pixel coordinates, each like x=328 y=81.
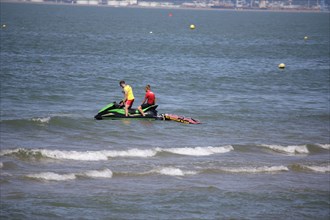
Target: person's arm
x=145 y=99
x=125 y=96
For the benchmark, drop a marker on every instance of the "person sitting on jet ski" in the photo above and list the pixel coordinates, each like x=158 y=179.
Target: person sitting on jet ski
x=128 y=96
x=150 y=98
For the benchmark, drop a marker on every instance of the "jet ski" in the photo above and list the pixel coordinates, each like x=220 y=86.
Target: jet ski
x=115 y=110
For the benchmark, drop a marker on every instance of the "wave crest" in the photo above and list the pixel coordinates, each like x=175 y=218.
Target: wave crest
x=172 y=171
x=106 y=154
x=51 y=176
x=324 y=146
x=106 y=173
x=264 y=169
x=321 y=169
x=199 y=151
x=42 y=120
x=294 y=149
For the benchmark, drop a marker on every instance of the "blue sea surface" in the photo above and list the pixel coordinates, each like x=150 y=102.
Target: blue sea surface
x=261 y=152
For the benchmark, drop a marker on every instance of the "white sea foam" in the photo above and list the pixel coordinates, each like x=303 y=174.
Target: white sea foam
x=324 y=146
x=9 y=151
x=106 y=154
x=321 y=169
x=106 y=173
x=133 y=153
x=172 y=171
x=96 y=155
x=199 y=151
x=83 y=155
x=302 y=149
x=5 y=174
x=51 y=176
x=75 y=155
x=263 y=169
x=42 y=120
x=1 y=165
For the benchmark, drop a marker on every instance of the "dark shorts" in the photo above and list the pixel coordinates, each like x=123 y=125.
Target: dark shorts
x=146 y=105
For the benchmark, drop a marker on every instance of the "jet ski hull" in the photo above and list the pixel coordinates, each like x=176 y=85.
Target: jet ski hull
x=115 y=111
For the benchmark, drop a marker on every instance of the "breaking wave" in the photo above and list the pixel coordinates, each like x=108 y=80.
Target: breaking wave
x=177 y=172
x=321 y=169
x=264 y=169
x=106 y=154
x=42 y=120
x=51 y=176
x=199 y=151
x=324 y=146
x=294 y=149
x=172 y=171
x=106 y=173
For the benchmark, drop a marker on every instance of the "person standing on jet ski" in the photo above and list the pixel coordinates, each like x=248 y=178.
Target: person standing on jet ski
x=150 y=98
x=128 y=96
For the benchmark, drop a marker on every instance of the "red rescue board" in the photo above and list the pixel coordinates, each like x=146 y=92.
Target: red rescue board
x=179 y=118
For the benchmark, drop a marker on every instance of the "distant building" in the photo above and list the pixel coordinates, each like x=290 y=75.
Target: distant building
x=262 y=4
x=239 y=3
x=122 y=2
x=296 y=5
x=157 y=4
x=87 y=2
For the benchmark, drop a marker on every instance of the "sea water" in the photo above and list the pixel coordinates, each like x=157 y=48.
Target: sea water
x=261 y=152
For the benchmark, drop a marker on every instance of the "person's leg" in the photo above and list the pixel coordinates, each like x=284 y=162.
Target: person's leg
x=126 y=109
x=128 y=105
x=141 y=111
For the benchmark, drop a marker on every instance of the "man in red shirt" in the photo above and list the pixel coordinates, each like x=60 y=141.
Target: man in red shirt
x=150 y=98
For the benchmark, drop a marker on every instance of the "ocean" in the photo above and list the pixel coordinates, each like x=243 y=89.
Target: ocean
x=262 y=150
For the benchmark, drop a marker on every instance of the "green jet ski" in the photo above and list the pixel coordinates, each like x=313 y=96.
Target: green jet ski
x=115 y=111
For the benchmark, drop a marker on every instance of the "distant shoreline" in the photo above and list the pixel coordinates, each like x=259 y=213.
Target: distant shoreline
x=172 y=8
